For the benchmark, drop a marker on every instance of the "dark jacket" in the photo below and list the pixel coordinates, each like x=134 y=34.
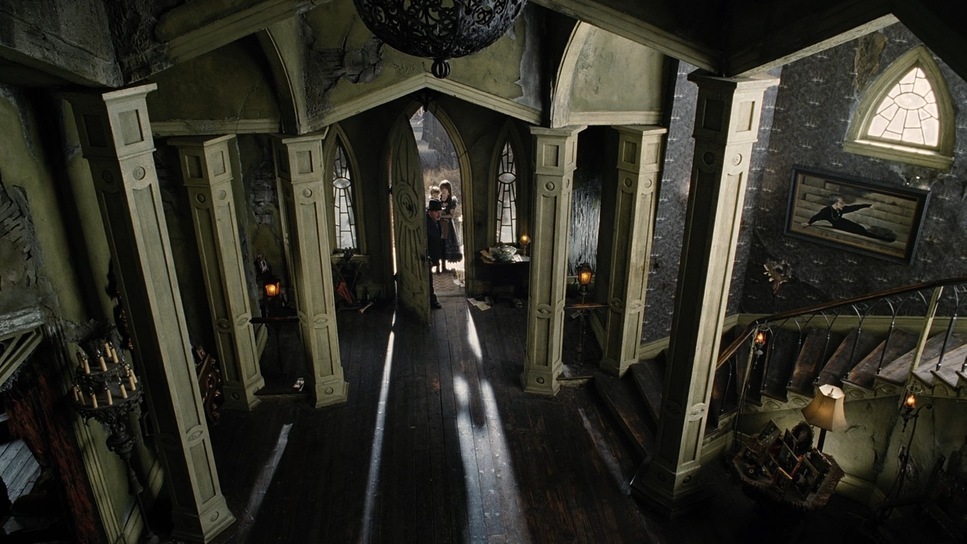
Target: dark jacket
x=434 y=245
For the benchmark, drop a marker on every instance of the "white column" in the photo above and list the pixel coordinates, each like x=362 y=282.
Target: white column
x=116 y=140
x=206 y=168
x=555 y=155
x=639 y=167
x=306 y=220
x=726 y=127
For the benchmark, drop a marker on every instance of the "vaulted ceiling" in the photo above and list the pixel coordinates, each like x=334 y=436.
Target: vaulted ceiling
x=741 y=37
x=726 y=37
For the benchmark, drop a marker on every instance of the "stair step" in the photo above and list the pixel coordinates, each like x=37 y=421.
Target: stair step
x=649 y=378
x=626 y=404
x=782 y=351
x=856 y=346
x=948 y=373
x=815 y=351
x=864 y=373
x=897 y=371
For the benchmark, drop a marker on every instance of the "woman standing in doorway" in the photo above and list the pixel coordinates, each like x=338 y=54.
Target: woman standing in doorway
x=451 y=246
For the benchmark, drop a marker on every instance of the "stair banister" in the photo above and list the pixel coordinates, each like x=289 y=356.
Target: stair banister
x=750 y=329
x=950 y=328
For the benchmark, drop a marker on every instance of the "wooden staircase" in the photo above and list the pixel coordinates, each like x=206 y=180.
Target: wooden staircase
x=868 y=356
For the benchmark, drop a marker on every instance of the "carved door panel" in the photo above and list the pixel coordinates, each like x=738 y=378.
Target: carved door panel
x=409 y=224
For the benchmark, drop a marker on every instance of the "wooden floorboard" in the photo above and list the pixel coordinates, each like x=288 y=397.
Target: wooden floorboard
x=458 y=452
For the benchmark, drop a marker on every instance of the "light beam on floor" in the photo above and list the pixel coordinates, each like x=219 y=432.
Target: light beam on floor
x=505 y=498
x=372 y=484
x=262 y=482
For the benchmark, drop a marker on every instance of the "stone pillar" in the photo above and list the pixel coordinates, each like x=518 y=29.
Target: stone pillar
x=306 y=220
x=116 y=140
x=726 y=127
x=206 y=168
x=555 y=155
x=639 y=165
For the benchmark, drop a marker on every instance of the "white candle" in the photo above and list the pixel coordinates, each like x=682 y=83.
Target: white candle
x=124 y=392
x=110 y=401
x=94 y=400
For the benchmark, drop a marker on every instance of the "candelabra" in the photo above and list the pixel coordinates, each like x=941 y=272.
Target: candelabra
x=106 y=389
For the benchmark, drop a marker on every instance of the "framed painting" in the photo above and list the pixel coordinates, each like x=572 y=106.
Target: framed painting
x=855 y=215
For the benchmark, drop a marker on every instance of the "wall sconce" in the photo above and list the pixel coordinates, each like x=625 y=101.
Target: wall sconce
x=524 y=242
x=909 y=409
x=272 y=286
x=584 y=278
x=759 y=340
x=107 y=390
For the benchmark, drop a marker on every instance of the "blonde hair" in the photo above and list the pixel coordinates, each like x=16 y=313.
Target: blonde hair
x=434 y=191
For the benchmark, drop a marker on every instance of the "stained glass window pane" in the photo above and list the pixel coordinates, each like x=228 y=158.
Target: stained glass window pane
x=908 y=113
x=342 y=199
x=507 y=197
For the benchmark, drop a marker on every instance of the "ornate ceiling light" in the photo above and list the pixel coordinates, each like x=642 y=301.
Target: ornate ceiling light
x=439 y=29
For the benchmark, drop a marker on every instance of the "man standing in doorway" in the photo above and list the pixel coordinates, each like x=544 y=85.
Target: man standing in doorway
x=434 y=244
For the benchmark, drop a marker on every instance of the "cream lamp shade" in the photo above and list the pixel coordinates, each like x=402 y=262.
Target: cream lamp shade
x=826 y=411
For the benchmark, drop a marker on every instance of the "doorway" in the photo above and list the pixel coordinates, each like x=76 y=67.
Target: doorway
x=427 y=150
x=442 y=180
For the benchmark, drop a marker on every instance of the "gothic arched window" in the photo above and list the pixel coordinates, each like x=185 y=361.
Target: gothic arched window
x=343 y=204
x=906 y=115
x=507 y=196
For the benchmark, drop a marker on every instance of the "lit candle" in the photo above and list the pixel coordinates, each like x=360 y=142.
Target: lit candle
x=100 y=359
x=124 y=391
x=87 y=366
x=93 y=400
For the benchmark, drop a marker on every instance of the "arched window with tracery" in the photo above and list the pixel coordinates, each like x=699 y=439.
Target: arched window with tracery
x=906 y=115
x=507 y=196
x=345 y=235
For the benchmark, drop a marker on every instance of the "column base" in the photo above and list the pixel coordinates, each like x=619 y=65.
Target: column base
x=542 y=380
x=330 y=391
x=213 y=518
x=666 y=492
x=242 y=397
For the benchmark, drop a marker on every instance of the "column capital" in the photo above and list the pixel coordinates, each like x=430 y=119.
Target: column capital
x=114 y=124
x=555 y=150
x=299 y=158
x=205 y=161
x=639 y=148
x=729 y=109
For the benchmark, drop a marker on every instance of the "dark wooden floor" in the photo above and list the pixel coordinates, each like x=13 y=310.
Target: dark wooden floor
x=439 y=444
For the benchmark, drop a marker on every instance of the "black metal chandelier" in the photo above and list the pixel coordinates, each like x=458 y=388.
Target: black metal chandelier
x=439 y=29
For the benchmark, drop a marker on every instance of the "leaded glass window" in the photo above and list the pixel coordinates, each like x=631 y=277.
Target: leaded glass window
x=342 y=200
x=908 y=113
x=507 y=197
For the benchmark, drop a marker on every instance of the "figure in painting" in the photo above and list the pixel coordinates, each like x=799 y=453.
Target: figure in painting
x=833 y=214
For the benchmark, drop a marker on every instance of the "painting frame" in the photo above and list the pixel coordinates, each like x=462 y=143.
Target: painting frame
x=855 y=214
